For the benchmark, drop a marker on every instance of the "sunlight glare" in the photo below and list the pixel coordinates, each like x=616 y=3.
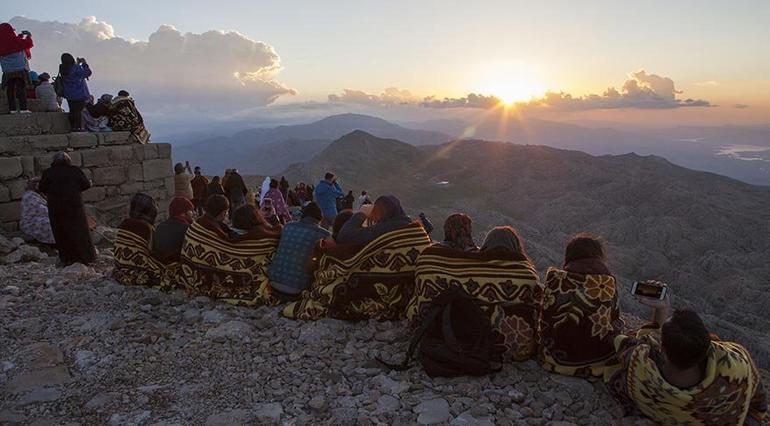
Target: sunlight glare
x=511 y=83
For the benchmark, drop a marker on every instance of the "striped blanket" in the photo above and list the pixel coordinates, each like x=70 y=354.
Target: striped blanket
x=134 y=265
x=579 y=320
x=234 y=271
x=506 y=285
x=355 y=283
x=730 y=394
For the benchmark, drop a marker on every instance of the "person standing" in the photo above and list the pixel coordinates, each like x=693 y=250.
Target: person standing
x=279 y=204
x=75 y=88
x=236 y=191
x=326 y=194
x=14 y=61
x=283 y=186
x=199 y=185
x=182 y=185
x=348 y=201
x=62 y=184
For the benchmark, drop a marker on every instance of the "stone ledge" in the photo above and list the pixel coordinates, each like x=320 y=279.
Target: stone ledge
x=82 y=140
x=15 y=145
x=39 y=123
x=114 y=138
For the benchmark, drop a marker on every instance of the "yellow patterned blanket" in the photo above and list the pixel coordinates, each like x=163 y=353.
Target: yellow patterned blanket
x=215 y=266
x=579 y=320
x=506 y=284
x=355 y=283
x=134 y=265
x=730 y=394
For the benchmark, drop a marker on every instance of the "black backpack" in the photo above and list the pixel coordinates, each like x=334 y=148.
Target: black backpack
x=455 y=338
x=58 y=86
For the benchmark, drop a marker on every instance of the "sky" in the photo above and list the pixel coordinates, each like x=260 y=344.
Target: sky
x=422 y=59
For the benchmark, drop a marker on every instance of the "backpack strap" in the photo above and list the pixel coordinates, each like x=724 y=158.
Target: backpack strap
x=416 y=339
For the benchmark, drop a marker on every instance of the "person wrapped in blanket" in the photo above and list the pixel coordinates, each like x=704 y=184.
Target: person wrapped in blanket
x=96 y=115
x=387 y=215
x=125 y=117
x=500 y=277
x=169 y=234
x=686 y=376
x=580 y=312
x=34 y=220
x=134 y=264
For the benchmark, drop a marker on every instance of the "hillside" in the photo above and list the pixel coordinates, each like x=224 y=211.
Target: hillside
x=707 y=235
x=270 y=150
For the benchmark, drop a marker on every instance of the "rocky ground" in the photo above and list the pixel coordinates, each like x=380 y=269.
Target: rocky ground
x=78 y=348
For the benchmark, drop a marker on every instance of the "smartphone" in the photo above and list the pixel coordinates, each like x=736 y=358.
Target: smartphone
x=646 y=290
x=426 y=223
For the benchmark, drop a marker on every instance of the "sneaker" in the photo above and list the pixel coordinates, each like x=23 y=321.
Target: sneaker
x=25 y=111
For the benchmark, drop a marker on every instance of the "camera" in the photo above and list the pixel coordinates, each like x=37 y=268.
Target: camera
x=651 y=291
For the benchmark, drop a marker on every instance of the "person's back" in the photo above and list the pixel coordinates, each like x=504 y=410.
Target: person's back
x=46 y=96
x=287 y=271
x=326 y=194
x=169 y=234
x=387 y=216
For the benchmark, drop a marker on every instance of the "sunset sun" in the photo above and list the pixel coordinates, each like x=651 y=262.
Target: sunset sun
x=511 y=83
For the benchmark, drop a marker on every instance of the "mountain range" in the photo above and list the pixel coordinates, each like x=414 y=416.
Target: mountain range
x=706 y=235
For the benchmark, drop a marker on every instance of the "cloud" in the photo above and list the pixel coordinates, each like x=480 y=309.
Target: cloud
x=740 y=106
x=709 y=83
x=171 y=73
x=473 y=100
x=390 y=96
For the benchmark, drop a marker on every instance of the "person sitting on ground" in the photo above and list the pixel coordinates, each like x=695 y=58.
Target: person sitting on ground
x=236 y=190
x=74 y=74
x=169 y=234
x=213 y=188
x=125 y=117
x=215 y=212
x=301 y=192
x=689 y=376
x=326 y=195
x=182 y=184
x=14 y=61
x=278 y=202
x=248 y=221
x=46 y=94
x=62 y=184
x=96 y=115
x=387 y=215
x=34 y=220
x=287 y=272
x=458 y=233
x=134 y=263
x=339 y=221
x=199 y=185
x=584 y=287
x=363 y=200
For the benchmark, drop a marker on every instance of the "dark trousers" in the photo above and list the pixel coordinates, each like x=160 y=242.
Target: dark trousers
x=16 y=88
x=76 y=113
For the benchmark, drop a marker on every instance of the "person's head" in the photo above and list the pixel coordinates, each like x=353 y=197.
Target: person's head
x=61 y=158
x=273 y=183
x=197 y=171
x=584 y=246
x=350 y=193
x=311 y=210
x=181 y=208
x=215 y=180
x=302 y=184
x=67 y=59
x=34 y=76
x=458 y=231
x=685 y=339
x=329 y=177
x=340 y=220
x=143 y=208
x=44 y=77
x=105 y=99
x=233 y=171
x=179 y=168
x=363 y=193
x=504 y=237
x=123 y=94
x=247 y=217
x=386 y=207
x=217 y=207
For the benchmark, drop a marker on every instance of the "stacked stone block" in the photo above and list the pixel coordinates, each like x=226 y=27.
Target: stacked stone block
x=117 y=165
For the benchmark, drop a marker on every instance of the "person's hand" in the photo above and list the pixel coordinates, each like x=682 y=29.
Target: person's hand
x=661 y=307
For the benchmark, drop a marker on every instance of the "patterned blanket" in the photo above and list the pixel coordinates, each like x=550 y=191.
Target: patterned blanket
x=354 y=283
x=579 y=319
x=730 y=394
x=134 y=265
x=506 y=285
x=234 y=271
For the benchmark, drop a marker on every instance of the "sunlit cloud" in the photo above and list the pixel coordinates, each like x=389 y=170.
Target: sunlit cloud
x=709 y=83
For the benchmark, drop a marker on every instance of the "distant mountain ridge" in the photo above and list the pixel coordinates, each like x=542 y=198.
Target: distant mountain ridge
x=705 y=234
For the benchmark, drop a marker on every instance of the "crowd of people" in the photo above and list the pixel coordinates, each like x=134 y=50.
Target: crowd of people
x=86 y=114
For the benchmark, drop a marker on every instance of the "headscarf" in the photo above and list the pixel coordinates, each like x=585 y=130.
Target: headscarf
x=67 y=62
x=458 y=232
x=10 y=42
x=503 y=237
x=265 y=188
x=105 y=99
x=61 y=158
x=178 y=207
x=385 y=208
x=143 y=207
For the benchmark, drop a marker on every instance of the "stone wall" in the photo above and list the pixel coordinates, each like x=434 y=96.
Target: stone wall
x=117 y=165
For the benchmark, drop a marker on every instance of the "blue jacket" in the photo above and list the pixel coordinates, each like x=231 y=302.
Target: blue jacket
x=326 y=195
x=75 y=87
x=14 y=62
x=287 y=270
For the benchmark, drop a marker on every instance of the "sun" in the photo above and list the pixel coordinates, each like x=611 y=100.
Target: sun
x=511 y=83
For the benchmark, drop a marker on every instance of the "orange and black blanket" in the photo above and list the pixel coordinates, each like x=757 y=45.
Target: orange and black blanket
x=355 y=283
x=504 y=284
x=134 y=264
x=234 y=270
x=579 y=320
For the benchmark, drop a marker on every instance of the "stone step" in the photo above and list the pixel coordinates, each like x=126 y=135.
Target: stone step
x=38 y=123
